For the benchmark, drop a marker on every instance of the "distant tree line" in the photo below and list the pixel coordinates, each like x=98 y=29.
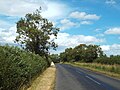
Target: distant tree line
x=86 y=53
x=108 y=60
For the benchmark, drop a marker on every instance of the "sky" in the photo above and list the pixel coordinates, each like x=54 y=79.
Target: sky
x=80 y=21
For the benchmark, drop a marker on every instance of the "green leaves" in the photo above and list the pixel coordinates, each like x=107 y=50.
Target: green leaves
x=108 y=60
x=34 y=33
x=18 y=67
x=82 y=52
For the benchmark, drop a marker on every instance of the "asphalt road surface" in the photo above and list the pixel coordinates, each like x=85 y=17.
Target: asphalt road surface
x=74 y=78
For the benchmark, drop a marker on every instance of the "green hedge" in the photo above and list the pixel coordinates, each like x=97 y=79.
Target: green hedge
x=108 y=60
x=18 y=67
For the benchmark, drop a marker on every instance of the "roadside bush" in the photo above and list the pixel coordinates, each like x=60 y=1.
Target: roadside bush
x=108 y=60
x=18 y=67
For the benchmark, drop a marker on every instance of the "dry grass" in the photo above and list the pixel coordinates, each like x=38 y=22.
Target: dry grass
x=44 y=81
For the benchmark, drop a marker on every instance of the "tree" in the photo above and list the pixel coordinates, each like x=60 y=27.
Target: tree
x=93 y=52
x=34 y=33
x=82 y=53
x=63 y=57
x=55 y=58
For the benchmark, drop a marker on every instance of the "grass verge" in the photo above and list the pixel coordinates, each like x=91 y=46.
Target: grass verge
x=109 y=70
x=45 y=81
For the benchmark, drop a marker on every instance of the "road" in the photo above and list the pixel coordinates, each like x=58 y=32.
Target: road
x=74 y=78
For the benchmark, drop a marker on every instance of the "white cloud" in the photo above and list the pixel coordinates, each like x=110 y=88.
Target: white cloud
x=115 y=30
x=59 y=50
x=66 y=24
x=115 y=46
x=67 y=40
x=55 y=10
x=86 y=22
x=111 y=49
x=105 y=47
x=65 y=21
x=113 y=3
x=21 y=7
x=8 y=36
x=100 y=35
x=16 y=7
x=110 y=2
x=97 y=30
x=84 y=16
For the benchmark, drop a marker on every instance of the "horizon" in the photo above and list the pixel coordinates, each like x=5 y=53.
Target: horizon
x=80 y=21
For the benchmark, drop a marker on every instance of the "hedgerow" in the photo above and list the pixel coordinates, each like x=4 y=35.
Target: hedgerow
x=18 y=67
x=108 y=60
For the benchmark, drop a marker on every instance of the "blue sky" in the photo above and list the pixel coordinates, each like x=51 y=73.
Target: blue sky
x=80 y=21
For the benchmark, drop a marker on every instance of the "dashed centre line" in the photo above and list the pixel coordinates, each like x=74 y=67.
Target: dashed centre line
x=93 y=80
x=89 y=77
x=79 y=72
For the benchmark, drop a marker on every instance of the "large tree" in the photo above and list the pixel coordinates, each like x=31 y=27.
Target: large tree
x=34 y=33
x=82 y=52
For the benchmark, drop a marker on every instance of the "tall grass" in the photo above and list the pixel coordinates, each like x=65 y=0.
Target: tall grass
x=113 y=70
x=18 y=67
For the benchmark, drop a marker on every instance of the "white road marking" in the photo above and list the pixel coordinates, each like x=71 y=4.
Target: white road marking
x=93 y=80
x=79 y=72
